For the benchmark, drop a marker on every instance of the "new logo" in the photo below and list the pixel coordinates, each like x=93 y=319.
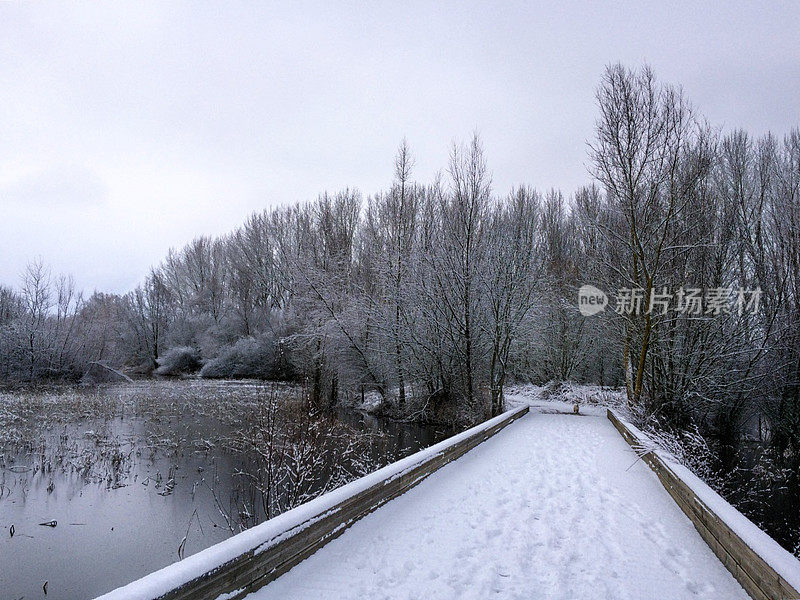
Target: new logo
x=591 y=300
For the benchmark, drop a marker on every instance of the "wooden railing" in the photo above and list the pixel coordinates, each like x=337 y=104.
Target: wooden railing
x=758 y=577
x=253 y=558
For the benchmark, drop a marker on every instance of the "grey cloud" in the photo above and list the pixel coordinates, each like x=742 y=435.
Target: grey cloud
x=187 y=116
x=63 y=185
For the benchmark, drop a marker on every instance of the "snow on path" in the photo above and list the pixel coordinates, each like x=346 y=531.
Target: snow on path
x=553 y=506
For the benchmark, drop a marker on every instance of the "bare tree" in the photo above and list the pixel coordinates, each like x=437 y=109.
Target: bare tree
x=638 y=154
x=512 y=274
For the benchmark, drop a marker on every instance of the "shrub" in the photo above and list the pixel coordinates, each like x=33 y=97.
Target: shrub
x=248 y=358
x=178 y=360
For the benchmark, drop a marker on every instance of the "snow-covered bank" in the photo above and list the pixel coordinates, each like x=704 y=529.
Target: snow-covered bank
x=561 y=396
x=555 y=506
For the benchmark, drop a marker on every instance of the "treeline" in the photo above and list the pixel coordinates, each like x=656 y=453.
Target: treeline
x=685 y=211
x=435 y=295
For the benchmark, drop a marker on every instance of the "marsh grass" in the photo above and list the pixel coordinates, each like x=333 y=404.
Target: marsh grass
x=263 y=450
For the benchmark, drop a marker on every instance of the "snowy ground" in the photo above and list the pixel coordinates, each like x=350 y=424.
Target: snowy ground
x=554 y=506
x=562 y=396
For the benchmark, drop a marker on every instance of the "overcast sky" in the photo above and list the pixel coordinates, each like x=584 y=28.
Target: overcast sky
x=128 y=129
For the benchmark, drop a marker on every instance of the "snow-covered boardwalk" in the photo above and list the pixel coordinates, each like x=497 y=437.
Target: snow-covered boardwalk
x=553 y=506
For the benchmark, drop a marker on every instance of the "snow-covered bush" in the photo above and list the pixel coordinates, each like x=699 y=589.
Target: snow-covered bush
x=689 y=447
x=178 y=360
x=249 y=357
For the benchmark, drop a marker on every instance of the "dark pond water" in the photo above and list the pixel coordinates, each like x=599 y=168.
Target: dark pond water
x=135 y=474
x=766 y=494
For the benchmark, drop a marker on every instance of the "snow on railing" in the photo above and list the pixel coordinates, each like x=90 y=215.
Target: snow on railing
x=251 y=559
x=763 y=568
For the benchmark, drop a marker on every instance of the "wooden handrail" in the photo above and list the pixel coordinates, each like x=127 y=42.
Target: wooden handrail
x=759 y=578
